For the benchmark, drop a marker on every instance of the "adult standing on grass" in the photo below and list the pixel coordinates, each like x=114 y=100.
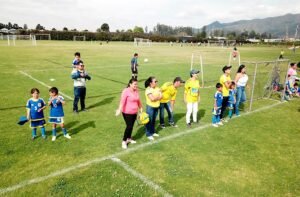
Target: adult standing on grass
x=192 y=97
x=79 y=76
x=241 y=80
x=153 y=96
x=130 y=104
x=225 y=80
x=293 y=73
x=134 y=65
x=169 y=92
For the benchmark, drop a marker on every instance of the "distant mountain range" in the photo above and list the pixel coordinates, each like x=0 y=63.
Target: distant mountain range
x=277 y=26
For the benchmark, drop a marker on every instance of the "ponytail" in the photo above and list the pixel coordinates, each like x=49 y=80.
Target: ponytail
x=148 y=81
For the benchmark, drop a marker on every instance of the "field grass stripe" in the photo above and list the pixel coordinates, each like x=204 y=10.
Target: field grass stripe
x=42 y=83
x=121 y=153
x=147 y=181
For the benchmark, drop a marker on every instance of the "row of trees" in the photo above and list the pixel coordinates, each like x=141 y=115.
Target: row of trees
x=159 y=32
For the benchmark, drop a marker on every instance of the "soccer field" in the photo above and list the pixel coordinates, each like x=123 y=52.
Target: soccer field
x=256 y=154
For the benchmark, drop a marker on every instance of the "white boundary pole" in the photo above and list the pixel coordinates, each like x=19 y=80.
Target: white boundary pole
x=8 y=42
x=192 y=61
x=202 y=74
x=14 y=40
x=253 y=84
x=239 y=58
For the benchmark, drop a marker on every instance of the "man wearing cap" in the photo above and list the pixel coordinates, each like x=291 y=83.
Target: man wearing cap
x=169 y=92
x=225 y=80
x=192 y=96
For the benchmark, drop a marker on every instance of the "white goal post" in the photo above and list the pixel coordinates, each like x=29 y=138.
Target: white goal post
x=142 y=41
x=79 y=38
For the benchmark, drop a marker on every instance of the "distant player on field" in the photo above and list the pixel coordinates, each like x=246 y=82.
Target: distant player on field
x=134 y=65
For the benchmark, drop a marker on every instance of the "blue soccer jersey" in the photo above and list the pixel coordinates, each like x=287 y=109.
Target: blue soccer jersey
x=34 y=106
x=56 y=107
x=134 y=62
x=219 y=98
x=231 y=96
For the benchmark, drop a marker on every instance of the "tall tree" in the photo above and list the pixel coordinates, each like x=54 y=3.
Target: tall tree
x=104 y=27
x=25 y=26
x=137 y=29
x=65 y=29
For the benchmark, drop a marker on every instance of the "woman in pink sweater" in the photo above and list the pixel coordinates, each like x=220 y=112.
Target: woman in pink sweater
x=130 y=104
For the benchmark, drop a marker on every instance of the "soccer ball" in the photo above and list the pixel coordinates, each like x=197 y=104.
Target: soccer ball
x=145 y=60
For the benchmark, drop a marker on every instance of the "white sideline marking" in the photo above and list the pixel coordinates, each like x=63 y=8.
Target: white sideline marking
x=118 y=154
x=42 y=83
x=141 y=177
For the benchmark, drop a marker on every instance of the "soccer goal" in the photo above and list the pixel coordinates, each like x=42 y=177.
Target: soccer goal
x=197 y=64
x=42 y=36
x=266 y=84
x=142 y=42
x=215 y=43
x=79 y=38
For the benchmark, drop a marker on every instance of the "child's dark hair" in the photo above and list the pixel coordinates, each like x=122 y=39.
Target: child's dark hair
x=241 y=68
x=148 y=81
x=54 y=90
x=33 y=90
x=292 y=64
x=135 y=54
x=218 y=85
x=131 y=81
x=77 y=54
x=232 y=84
x=296 y=84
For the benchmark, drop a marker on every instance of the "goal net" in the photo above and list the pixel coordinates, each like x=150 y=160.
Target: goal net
x=42 y=36
x=13 y=40
x=215 y=43
x=266 y=84
x=142 y=42
x=78 y=38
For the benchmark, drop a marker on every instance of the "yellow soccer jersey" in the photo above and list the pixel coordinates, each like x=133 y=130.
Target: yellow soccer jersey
x=169 y=92
x=155 y=92
x=223 y=79
x=191 y=89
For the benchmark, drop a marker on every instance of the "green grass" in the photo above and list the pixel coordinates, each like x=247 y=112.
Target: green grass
x=257 y=154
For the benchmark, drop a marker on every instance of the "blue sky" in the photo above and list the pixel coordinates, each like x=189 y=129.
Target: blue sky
x=90 y=14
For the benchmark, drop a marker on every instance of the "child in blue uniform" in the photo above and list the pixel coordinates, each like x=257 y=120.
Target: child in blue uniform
x=56 y=103
x=217 y=106
x=231 y=100
x=35 y=114
x=76 y=60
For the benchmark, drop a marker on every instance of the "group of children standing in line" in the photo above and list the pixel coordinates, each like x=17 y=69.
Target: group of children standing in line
x=36 y=105
x=291 y=86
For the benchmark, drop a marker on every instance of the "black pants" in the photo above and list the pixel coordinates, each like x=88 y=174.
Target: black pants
x=79 y=94
x=224 y=106
x=129 y=120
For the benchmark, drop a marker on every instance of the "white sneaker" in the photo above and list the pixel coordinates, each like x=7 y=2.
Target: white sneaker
x=67 y=136
x=155 y=135
x=215 y=125
x=151 y=138
x=53 y=138
x=220 y=123
x=129 y=140
x=224 y=120
x=124 y=145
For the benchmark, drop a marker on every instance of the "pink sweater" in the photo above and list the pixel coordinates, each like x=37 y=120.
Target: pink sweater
x=130 y=101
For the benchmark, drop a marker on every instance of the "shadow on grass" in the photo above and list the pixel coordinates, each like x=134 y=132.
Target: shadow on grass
x=103 y=102
x=139 y=133
x=83 y=127
x=8 y=108
x=101 y=95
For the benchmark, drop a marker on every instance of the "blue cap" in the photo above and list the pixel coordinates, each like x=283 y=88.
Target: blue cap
x=193 y=71
x=22 y=120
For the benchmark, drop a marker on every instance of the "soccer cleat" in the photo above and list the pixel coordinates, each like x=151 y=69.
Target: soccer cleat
x=162 y=126
x=124 y=145
x=151 y=138
x=189 y=125
x=155 y=135
x=53 y=138
x=215 y=125
x=220 y=123
x=67 y=136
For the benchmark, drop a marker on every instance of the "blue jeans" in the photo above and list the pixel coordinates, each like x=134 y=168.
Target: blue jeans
x=150 y=126
x=79 y=94
x=240 y=98
x=169 y=111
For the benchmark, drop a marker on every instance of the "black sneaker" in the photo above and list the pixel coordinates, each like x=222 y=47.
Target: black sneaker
x=173 y=124
x=84 y=110
x=162 y=126
x=75 y=111
x=189 y=125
